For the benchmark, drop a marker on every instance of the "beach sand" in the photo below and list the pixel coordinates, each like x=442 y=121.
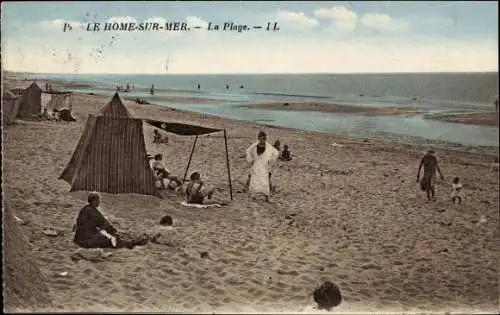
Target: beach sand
x=346 y=210
x=481 y=119
x=339 y=109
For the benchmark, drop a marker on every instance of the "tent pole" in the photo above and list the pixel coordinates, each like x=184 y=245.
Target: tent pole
x=228 y=168
x=190 y=157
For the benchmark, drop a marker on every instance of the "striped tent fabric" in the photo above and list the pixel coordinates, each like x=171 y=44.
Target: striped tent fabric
x=10 y=107
x=115 y=108
x=111 y=158
x=31 y=103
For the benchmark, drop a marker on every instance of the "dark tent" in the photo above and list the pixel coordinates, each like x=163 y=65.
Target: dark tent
x=182 y=129
x=111 y=154
x=31 y=102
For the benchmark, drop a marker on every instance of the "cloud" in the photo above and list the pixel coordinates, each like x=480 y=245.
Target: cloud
x=121 y=19
x=196 y=21
x=383 y=22
x=298 y=19
x=156 y=19
x=341 y=17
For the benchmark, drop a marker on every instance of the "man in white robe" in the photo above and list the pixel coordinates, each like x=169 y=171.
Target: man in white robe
x=261 y=156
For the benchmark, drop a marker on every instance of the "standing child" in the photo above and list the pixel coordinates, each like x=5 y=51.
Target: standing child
x=456 y=193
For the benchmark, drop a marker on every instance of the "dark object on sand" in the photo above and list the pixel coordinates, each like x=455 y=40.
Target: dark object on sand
x=241 y=87
x=423 y=184
x=65 y=115
x=141 y=101
x=286 y=104
x=327 y=296
x=167 y=221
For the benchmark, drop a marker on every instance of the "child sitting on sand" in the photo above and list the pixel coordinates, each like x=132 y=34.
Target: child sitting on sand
x=286 y=155
x=456 y=193
x=163 y=174
x=195 y=192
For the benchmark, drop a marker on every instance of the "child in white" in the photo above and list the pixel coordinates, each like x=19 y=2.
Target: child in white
x=456 y=193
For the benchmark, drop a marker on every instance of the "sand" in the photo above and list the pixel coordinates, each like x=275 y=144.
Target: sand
x=339 y=109
x=350 y=213
x=480 y=119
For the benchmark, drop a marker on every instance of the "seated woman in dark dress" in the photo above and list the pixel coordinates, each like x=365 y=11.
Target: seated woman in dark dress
x=92 y=230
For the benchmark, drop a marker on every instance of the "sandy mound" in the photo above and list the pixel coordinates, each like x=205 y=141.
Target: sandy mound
x=24 y=285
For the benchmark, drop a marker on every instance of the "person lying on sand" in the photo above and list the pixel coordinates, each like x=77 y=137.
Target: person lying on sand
x=158 y=138
x=326 y=296
x=261 y=156
x=286 y=155
x=196 y=191
x=163 y=174
x=92 y=230
x=431 y=166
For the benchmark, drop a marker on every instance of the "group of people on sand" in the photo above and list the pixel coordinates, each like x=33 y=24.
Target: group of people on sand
x=427 y=183
x=262 y=157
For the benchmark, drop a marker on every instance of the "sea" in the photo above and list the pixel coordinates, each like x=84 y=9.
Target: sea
x=433 y=93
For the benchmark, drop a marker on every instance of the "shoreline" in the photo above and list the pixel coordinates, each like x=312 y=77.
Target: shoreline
x=357 y=219
x=338 y=109
x=419 y=144
x=477 y=119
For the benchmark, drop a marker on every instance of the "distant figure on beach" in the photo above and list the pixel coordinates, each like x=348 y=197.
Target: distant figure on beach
x=277 y=145
x=286 y=155
x=127 y=89
x=46 y=86
x=163 y=174
x=241 y=86
x=456 y=193
x=199 y=87
x=152 y=89
x=227 y=86
x=261 y=156
x=326 y=296
x=196 y=190
x=431 y=166
x=92 y=230
x=45 y=114
x=494 y=165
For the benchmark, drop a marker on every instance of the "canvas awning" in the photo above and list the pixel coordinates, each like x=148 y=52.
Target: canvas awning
x=181 y=129
x=57 y=92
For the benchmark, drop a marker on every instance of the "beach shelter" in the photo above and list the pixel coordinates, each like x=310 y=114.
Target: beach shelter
x=111 y=154
x=31 y=102
x=57 y=100
x=10 y=107
x=193 y=130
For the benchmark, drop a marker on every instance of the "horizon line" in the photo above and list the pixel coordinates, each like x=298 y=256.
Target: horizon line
x=248 y=73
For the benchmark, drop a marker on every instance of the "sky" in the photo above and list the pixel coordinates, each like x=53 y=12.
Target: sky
x=313 y=37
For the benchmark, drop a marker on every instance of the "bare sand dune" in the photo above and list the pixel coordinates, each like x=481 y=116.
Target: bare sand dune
x=482 y=119
x=24 y=284
x=349 y=214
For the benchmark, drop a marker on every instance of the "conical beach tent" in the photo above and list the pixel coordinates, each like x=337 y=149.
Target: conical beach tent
x=115 y=108
x=111 y=154
x=31 y=102
x=10 y=107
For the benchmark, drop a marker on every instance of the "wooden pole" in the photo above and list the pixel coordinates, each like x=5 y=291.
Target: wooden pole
x=228 y=168
x=190 y=157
